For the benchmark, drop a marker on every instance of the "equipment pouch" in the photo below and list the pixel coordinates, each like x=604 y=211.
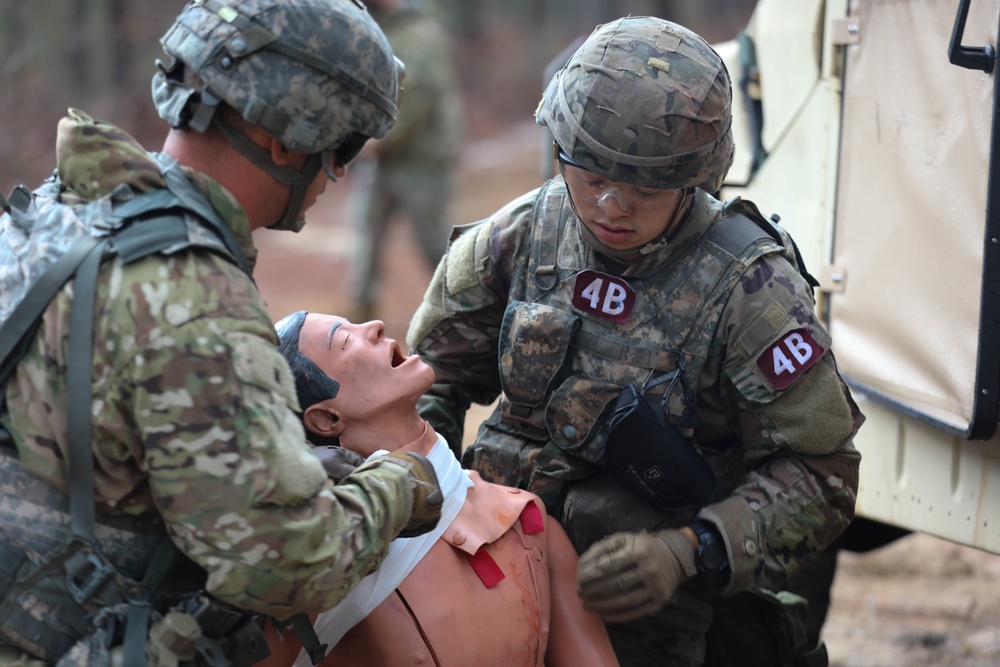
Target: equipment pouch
x=599 y=506
x=758 y=628
x=575 y=413
x=50 y=606
x=534 y=345
x=647 y=455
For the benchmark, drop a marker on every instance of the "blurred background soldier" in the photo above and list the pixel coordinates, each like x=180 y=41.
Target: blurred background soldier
x=410 y=173
x=149 y=386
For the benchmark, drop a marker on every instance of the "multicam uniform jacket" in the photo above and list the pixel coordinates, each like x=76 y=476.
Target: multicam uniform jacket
x=522 y=305
x=193 y=425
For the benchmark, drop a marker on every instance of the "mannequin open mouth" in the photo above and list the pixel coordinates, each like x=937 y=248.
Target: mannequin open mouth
x=397 y=356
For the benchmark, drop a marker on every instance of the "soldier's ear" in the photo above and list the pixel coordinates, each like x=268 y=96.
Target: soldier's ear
x=323 y=419
x=280 y=155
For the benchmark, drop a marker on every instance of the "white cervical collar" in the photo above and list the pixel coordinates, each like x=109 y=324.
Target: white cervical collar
x=404 y=554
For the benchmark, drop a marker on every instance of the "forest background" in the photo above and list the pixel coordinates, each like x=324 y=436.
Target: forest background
x=98 y=55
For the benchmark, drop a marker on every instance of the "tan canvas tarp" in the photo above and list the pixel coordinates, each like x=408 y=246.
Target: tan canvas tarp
x=910 y=216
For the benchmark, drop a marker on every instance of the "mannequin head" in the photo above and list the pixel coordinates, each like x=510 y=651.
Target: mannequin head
x=355 y=385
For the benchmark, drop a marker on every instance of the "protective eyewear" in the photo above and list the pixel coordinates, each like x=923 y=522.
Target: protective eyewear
x=344 y=153
x=595 y=190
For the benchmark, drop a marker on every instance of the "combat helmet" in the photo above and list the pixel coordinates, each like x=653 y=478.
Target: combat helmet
x=643 y=101
x=318 y=75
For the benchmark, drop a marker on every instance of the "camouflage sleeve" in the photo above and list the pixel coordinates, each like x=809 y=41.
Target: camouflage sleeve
x=457 y=326
x=796 y=418
x=229 y=469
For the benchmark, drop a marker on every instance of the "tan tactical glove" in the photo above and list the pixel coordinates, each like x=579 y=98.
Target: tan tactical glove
x=427 y=496
x=627 y=576
x=337 y=461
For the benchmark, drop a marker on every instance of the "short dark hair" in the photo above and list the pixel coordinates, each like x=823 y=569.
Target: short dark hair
x=312 y=385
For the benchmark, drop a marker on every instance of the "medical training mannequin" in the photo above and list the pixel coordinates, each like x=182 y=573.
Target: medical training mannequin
x=495 y=583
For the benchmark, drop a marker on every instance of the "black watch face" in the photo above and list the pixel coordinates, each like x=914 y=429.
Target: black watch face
x=713 y=556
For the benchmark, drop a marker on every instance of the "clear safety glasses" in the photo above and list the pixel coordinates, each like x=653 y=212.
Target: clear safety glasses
x=343 y=154
x=590 y=188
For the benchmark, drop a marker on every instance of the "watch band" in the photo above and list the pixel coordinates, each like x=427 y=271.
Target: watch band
x=710 y=557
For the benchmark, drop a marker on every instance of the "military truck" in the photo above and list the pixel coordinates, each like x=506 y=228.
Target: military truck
x=871 y=128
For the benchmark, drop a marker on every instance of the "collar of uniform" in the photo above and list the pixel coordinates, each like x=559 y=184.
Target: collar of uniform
x=93 y=158
x=705 y=210
x=231 y=211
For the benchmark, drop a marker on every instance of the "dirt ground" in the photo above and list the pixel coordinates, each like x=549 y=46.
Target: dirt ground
x=919 y=601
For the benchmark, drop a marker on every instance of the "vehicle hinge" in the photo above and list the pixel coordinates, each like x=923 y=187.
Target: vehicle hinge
x=845 y=31
x=832 y=278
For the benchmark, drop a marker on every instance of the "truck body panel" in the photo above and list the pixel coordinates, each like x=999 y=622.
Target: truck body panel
x=878 y=155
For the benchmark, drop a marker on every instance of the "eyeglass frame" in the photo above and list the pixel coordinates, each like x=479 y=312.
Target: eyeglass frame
x=613 y=189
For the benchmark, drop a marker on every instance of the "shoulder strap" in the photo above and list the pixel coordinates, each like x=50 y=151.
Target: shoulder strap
x=306 y=633
x=79 y=380
x=19 y=198
x=18 y=331
x=736 y=232
x=188 y=196
x=546 y=220
x=538 y=271
x=130 y=241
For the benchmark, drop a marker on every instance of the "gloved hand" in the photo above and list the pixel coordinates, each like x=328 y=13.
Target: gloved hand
x=427 y=496
x=627 y=576
x=337 y=461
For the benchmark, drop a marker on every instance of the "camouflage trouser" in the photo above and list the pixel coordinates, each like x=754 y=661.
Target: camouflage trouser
x=419 y=191
x=752 y=629
x=673 y=637
x=813 y=582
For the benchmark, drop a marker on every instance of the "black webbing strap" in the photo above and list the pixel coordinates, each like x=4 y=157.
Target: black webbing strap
x=137 y=617
x=16 y=333
x=79 y=374
x=83 y=260
x=180 y=186
x=79 y=379
x=149 y=236
x=735 y=233
x=306 y=633
x=136 y=634
x=18 y=200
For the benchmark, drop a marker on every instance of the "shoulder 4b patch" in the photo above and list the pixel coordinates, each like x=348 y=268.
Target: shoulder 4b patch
x=786 y=359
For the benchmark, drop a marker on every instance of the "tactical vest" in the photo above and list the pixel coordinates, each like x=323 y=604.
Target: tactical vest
x=75 y=585
x=562 y=368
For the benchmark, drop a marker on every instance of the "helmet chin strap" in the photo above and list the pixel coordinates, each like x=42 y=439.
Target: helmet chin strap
x=627 y=256
x=630 y=255
x=298 y=180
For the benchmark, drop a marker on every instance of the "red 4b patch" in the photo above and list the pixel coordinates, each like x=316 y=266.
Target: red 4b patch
x=603 y=295
x=785 y=360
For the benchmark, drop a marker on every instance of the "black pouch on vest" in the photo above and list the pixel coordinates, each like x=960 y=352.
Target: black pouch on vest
x=647 y=455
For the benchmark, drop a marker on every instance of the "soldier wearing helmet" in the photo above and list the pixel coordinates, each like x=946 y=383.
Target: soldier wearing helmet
x=182 y=499
x=664 y=383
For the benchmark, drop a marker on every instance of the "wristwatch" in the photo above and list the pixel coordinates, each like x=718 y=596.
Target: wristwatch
x=710 y=557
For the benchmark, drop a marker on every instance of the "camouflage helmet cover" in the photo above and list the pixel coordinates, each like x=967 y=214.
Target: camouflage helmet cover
x=310 y=72
x=644 y=101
